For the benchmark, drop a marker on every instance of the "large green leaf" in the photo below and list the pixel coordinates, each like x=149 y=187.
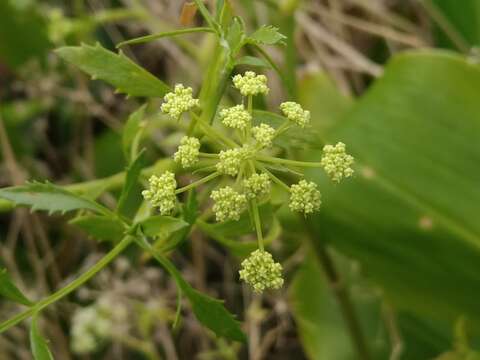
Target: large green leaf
x=129 y=198
x=410 y=215
x=116 y=69
x=48 y=197
x=103 y=228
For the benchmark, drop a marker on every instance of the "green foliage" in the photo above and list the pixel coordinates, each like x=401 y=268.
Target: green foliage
x=132 y=132
x=10 y=291
x=409 y=216
x=159 y=225
x=129 y=197
x=116 y=69
x=100 y=227
x=267 y=35
x=49 y=197
x=252 y=61
x=209 y=311
x=38 y=344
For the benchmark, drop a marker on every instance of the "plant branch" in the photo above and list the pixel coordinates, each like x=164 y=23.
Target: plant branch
x=42 y=304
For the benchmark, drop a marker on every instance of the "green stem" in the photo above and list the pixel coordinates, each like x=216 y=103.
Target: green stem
x=275 y=160
x=282 y=128
x=250 y=111
x=208 y=155
x=148 y=38
x=39 y=306
x=274 y=178
x=198 y=182
x=212 y=133
x=258 y=223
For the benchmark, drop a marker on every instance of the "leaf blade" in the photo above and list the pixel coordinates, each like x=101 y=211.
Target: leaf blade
x=10 y=291
x=38 y=343
x=116 y=69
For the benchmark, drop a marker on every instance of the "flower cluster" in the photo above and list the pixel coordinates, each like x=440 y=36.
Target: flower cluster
x=246 y=155
x=161 y=193
x=295 y=113
x=229 y=204
x=251 y=84
x=230 y=160
x=304 y=197
x=336 y=162
x=257 y=185
x=179 y=101
x=96 y=323
x=188 y=151
x=263 y=134
x=236 y=117
x=261 y=271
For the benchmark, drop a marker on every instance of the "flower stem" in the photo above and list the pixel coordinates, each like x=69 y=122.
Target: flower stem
x=212 y=132
x=148 y=38
x=282 y=128
x=208 y=155
x=39 y=306
x=258 y=223
x=198 y=182
x=274 y=178
x=275 y=160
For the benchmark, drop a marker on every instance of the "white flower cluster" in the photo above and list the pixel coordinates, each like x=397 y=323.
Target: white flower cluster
x=263 y=134
x=251 y=83
x=261 y=271
x=94 y=324
x=336 y=162
x=161 y=193
x=235 y=117
x=179 y=101
x=257 y=185
x=229 y=204
x=295 y=113
x=304 y=197
x=231 y=159
x=188 y=151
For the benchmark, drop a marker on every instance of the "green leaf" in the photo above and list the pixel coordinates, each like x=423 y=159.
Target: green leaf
x=252 y=61
x=209 y=311
x=48 y=197
x=410 y=215
x=10 y=291
x=131 y=133
x=38 y=344
x=116 y=69
x=267 y=35
x=103 y=228
x=129 y=197
x=160 y=225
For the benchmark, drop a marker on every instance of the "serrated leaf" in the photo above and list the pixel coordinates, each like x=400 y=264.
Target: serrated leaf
x=131 y=131
x=10 y=291
x=38 y=344
x=267 y=35
x=116 y=69
x=100 y=227
x=126 y=202
x=48 y=197
x=252 y=61
x=160 y=225
x=209 y=311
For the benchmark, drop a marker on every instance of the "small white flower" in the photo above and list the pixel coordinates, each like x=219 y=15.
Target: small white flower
x=229 y=204
x=161 y=193
x=179 y=101
x=235 y=117
x=257 y=185
x=263 y=134
x=261 y=272
x=336 y=162
x=295 y=113
x=251 y=83
x=188 y=151
x=304 y=197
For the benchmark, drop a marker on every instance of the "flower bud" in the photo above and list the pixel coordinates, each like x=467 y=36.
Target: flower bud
x=261 y=272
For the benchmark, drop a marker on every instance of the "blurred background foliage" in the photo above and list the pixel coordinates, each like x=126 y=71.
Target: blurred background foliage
x=389 y=269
